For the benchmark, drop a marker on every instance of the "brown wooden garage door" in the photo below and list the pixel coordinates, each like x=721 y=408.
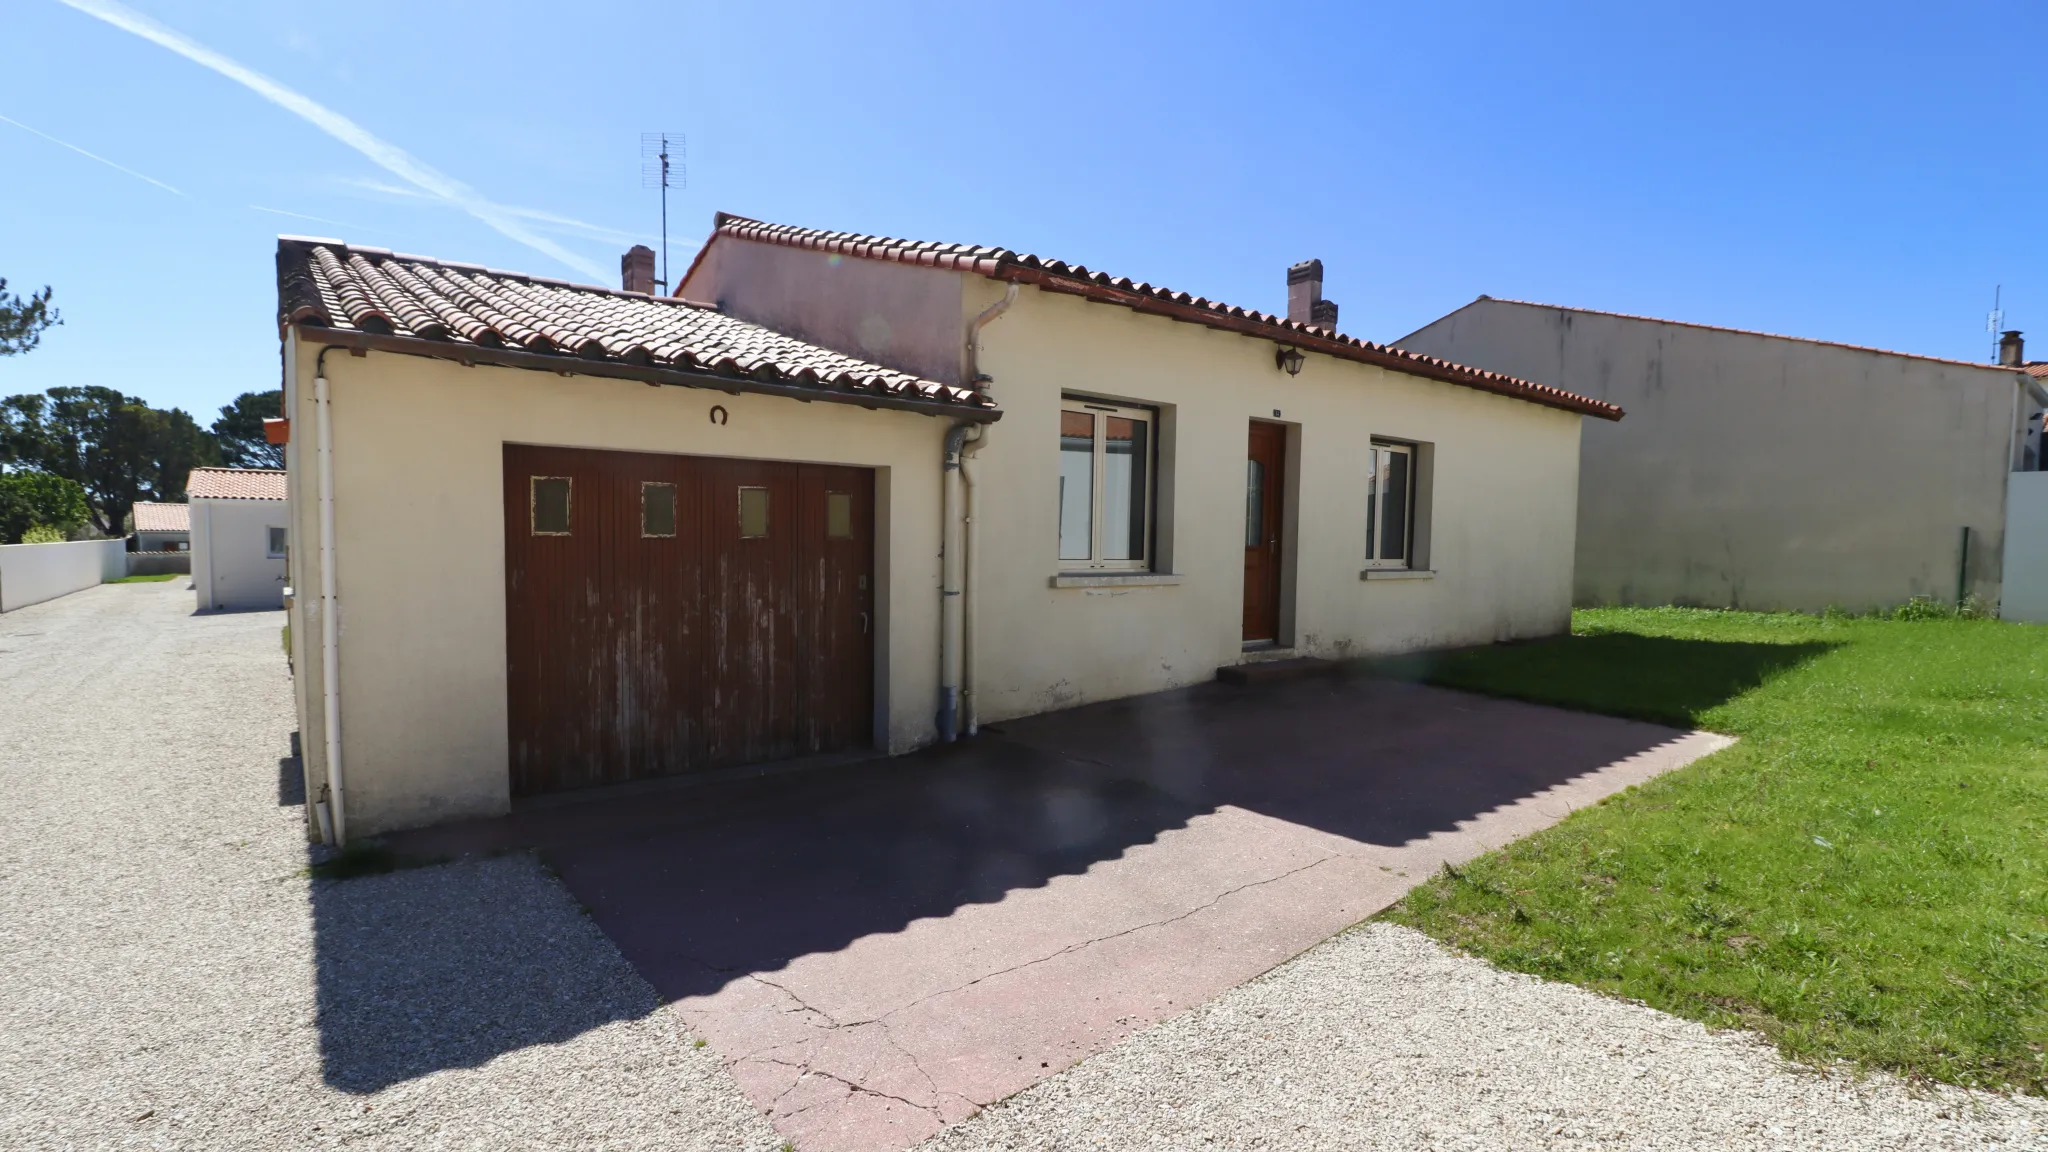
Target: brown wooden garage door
x=669 y=614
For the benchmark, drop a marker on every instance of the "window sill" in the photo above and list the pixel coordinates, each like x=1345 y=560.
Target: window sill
x=1397 y=574
x=1115 y=579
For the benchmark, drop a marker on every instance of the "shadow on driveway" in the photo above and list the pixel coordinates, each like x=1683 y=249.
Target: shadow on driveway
x=709 y=883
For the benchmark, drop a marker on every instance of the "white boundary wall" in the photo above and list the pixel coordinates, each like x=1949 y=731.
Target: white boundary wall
x=2025 y=595
x=33 y=573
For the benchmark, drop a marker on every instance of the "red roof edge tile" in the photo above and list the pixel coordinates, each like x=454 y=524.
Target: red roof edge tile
x=1075 y=279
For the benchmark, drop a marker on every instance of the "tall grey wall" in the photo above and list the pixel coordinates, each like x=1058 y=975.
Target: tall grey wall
x=1761 y=472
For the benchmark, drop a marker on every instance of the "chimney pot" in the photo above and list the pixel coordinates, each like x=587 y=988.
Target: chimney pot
x=636 y=269
x=2012 y=351
x=1305 y=303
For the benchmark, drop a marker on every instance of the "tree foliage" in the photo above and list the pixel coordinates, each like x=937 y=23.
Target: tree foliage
x=22 y=319
x=239 y=431
x=118 y=448
x=31 y=499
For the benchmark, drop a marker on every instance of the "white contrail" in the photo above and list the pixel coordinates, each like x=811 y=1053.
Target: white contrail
x=547 y=221
x=90 y=155
x=387 y=156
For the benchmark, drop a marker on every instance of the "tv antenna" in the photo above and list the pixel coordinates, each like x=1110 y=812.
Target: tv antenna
x=1996 y=321
x=661 y=166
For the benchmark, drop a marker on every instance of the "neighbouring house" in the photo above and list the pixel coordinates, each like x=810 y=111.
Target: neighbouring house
x=846 y=492
x=1772 y=472
x=163 y=527
x=241 y=524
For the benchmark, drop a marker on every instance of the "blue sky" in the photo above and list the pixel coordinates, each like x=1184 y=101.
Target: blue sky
x=1858 y=172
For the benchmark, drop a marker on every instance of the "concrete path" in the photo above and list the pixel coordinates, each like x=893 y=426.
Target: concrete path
x=169 y=978
x=880 y=951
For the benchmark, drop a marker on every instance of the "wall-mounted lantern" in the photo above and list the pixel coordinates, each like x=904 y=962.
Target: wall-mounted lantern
x=1288 y=360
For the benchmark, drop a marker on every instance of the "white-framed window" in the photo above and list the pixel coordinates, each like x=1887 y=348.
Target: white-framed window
x=1108 y=473
x=1390 y=505
x=277 y=540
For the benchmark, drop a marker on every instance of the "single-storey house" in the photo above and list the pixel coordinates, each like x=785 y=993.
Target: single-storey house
x=1773 y=472
x=240 y=526
x=847 y=492
x=162 y=527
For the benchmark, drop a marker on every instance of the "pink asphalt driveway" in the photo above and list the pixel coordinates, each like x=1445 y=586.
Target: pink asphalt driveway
x=880 y=949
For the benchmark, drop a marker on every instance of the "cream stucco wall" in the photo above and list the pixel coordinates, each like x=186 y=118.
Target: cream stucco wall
x=1761 y=472
x=420 y=554
x=420 y=548
x=1503 y=493
x=231 y=562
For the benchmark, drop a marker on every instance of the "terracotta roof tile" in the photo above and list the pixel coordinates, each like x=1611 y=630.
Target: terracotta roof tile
x=1078 y=279
x=153 y=517
x=2038 y=369
x=233 y=484
x=441 y=308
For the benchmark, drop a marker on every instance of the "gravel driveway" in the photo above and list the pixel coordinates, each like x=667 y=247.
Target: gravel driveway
x=169 y=979
x=1381 y=1038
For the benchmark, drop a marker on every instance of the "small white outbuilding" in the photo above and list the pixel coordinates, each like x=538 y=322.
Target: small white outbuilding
x=239 y=519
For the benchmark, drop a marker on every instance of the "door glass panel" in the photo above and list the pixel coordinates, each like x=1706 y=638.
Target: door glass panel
x=1394 y=507
x=550 y=505
x=1077 y=484
x=1123 y=488
x=657 y=509
x=753 y=513
x=1254 y=504
x=839 y=515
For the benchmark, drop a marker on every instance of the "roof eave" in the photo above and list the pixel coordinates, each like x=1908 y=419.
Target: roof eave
x=470 y=354
x=1307 y=339
x=1004 y=265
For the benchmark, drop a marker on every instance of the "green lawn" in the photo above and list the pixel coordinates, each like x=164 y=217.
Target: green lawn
x=159 y=578
x=1864 y=877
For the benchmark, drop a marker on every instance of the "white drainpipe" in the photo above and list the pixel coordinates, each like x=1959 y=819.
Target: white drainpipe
x=952 y=566
x=334 y=818
x=970 y=718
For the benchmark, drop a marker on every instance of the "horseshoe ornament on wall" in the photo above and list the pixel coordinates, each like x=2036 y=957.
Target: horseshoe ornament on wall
x=719 y=414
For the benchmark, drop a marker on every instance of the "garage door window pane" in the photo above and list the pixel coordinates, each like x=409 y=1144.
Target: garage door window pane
x=551 y=505
x=753 y=513
x=839 y=515
x=657 y=509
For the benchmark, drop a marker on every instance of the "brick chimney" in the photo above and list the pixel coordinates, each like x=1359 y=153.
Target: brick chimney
x=1305 y=301
x=636 y=269
x=2012 y=351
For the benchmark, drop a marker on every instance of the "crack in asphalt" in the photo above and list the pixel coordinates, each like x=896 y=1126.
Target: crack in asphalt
x=862 y=1089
